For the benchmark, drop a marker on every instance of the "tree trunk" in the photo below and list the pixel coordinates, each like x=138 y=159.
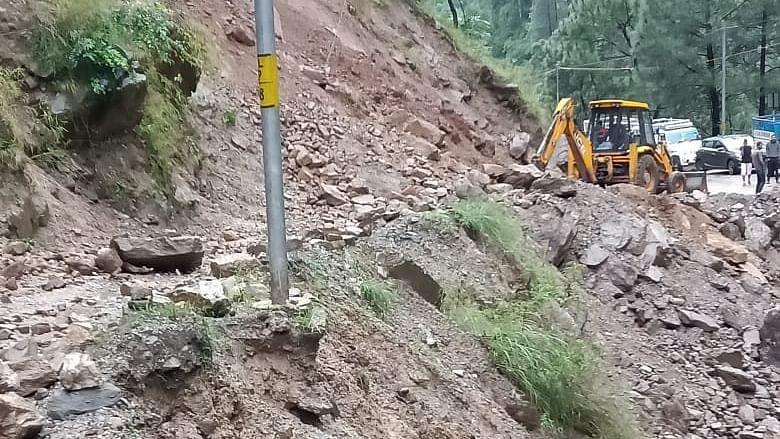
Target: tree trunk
x=762 y=65
x=712 y=91
x=454 y=12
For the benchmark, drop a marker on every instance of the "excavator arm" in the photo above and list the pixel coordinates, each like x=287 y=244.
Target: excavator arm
x=580 y=150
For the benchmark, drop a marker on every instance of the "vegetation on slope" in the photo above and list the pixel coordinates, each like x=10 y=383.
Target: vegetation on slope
x=560 y=373
x=11 y=131
x=97 y=44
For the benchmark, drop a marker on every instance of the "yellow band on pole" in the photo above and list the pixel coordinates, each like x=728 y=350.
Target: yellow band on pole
x=268 y=78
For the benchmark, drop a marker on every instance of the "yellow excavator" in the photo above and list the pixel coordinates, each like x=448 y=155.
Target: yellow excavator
x=620 y=147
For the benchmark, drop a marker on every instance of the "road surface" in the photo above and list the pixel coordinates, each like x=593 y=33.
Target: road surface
x=721 y=181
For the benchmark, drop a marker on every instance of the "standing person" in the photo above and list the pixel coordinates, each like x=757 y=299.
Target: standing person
x=760 y=166
x=773 y=158
x=747 y=162
x=773 y=150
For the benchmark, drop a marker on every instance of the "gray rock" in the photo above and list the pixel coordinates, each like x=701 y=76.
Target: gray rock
x=33 y=215
x=333 y=195
x=34 y=373
x=732 y=316
x=560 y=187
x=134 y=291
x=747 y=414
x=523 y=176
x=733 y=358
x=108 y=260
x=731 y=231
x=615 y=235
x=14 y=270
x=556 y=237
x=209 y=297
x=465 y=189
x=164 y=254
x=54 y=283
x=232 y=264
x=757 y=234
x=16 y=248
x=621 y=274
x=738 y=380
x=84 y=265
x=19 y=419
x=770 y=337
x=9 y=380
x=518 y=148
x=63 y=403
x=78 y=372
x=698 y=320
x=705 y=259
x=594 y=256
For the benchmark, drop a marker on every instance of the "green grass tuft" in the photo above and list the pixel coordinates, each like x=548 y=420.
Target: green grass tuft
x=229 y=118
x=313 y=319
x=379 y=296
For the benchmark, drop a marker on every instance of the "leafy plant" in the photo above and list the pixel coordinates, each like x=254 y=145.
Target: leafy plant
x=313 y=319
x=229 y=118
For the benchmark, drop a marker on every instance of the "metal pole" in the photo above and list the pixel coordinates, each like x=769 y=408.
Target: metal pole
x=723 y=85
x=557 y=84
x=268 y=79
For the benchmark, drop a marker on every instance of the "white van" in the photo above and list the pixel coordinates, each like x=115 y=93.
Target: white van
x=682 y=140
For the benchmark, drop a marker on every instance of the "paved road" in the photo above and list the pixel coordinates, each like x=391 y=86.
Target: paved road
x=719 y=182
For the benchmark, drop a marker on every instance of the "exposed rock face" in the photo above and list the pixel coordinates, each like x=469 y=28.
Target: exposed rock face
x=33 y=215
x=164 y=254
x=770 y=337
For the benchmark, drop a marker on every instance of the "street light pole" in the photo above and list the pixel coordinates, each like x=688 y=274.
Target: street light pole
x=723 y=85
x=268 y=81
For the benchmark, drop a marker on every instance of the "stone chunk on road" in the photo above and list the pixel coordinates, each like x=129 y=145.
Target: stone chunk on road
x=78 y=372
x=164 y=254
x=34 y=373
x=209 y=297
x=230 y=265
x=108 y=260
x=737 y=379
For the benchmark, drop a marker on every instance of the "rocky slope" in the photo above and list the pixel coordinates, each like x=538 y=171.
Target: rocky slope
x=383 y=120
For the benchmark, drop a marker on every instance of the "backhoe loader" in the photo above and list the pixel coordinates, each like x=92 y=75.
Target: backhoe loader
x=620 y=147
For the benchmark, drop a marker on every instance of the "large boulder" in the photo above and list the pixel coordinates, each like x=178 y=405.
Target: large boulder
x=757 y=234
x=19 y=419
x=34 y=373
x=737 y=379
x=726 y=248
x=78 y=372
x=522 y=176
x=9 y=380
x=164 y=254
x=33 y=215
x=556 y=236
x=518 y=148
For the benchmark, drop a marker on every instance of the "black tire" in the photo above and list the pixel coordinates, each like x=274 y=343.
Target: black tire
x=647 y=174
x=676 y=183
x=733 y=167
x=699 y=165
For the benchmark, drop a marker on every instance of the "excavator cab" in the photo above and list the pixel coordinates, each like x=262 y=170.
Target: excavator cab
x=619 y=147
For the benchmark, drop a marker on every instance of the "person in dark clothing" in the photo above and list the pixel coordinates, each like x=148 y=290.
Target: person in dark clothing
x=747 y=162
x=759 y=164
x=773 y=158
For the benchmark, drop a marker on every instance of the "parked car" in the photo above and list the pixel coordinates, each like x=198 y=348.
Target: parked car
x=682 y=140
x=721 y=152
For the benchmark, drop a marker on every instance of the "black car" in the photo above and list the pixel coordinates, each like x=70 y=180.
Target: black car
x=715 y=155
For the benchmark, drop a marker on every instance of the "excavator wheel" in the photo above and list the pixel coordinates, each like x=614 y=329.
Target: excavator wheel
x=676 y=183
x=648 y=175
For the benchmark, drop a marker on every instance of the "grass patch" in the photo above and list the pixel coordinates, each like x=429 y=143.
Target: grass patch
x=524 y=77
x=208 y=333
x=378 y=295
x=313 y=319
x=11 y=131
x=558 y=372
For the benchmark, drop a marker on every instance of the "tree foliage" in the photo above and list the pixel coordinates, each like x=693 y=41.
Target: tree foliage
x=673 y=50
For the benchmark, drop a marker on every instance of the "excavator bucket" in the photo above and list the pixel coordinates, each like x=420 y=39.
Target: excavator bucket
x=696 y=180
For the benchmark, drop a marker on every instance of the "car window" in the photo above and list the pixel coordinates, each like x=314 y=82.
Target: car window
x=707 y=144
x=683 y=135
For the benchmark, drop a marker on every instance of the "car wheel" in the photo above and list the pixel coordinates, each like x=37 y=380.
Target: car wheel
x=699 y=164
x=733 y=167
